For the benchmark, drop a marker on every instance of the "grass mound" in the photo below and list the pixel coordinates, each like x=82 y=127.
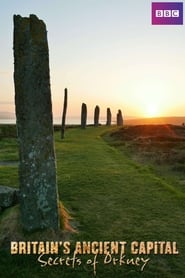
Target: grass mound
x=161 y=144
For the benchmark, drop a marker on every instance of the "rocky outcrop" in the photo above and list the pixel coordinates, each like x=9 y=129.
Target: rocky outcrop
x=9 y=196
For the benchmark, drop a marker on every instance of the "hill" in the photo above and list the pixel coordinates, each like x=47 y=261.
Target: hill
x=157 y=120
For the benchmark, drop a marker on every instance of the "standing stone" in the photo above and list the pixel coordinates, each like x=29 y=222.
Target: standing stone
x=83 y=115
x=109 y=117
x=37 y=169
x=119 y=118
x=96 y=115
x=64 y=114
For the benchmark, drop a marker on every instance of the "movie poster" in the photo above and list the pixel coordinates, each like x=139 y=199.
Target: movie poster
x=92 y=139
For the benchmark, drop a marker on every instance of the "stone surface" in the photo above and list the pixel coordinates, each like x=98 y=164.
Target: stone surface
x=64 y=114
x=83 y=115
x=109 y=117
x=37 y=169
x=96 y=115
x=8 y=196
x=119 y=118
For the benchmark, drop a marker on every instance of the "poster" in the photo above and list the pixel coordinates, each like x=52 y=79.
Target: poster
x=121 y=188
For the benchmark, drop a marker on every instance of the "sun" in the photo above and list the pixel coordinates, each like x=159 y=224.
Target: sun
x=150 y=96
x=151 y=110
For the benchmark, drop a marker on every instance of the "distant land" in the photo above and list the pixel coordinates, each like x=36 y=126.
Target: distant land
x=7 y=115
x=9 y=118
x=157 y=120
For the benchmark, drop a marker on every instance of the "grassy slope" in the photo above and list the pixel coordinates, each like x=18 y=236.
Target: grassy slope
x=8 y=153
x=112 y=198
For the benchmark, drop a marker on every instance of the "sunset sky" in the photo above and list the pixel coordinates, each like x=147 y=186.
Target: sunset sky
x=105 y=52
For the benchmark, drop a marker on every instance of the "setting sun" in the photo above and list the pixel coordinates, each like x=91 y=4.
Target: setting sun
x=151 y=97
x=151 y=110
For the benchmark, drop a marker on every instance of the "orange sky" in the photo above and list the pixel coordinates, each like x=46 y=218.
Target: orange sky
x=105 y=52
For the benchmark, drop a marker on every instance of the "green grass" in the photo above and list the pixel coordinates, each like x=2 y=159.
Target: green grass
x=8 y=162
x=112 y=198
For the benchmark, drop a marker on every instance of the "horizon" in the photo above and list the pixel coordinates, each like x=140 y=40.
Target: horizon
x=128 y=120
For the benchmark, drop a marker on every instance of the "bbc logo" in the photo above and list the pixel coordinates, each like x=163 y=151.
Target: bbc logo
x=167 y=13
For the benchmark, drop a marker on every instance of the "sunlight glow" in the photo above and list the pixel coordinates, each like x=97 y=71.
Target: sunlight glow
x=151 y=97
x=151 y=110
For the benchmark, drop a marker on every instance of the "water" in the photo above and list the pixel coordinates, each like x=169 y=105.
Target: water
x=7 y=121
x=57 y=121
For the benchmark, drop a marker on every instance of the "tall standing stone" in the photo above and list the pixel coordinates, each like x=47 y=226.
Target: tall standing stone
x=64 y=114
x=109 y=117
x=83 y=115
x=96 y=115
x=37 y=169
x=119 y=118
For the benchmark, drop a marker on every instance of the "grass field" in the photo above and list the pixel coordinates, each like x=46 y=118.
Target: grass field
x=111 y=198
